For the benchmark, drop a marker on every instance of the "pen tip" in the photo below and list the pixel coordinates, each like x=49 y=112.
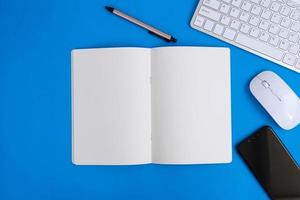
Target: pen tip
x=173 y=39
x=110 y=9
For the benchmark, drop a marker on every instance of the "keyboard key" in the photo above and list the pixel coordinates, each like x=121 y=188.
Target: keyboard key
x=212 y=4
x=254 y=20
x=295 y=15
x=245 y=28
x=236 y=3
x=229 y=34
x=292 y=3
x=294 y=48
x=286 y=22
x=209 y=13
x=266 y=14
x=209 y=25
x=256 y=10
x=284 y=45
x=293 y=37
x=218 y=29
x=275 y=6
x=265 y=3
x=274 y=29
x=246 y=6
x=285 y=10
x=295 y=26
x=244 y=16
x=234 y=12
x=264 y=36
x=275 y=18
x=259 y=46
x=289 y=59
x=274 y=41
x=227 y=1
x=225 y=20
x=224 y=8
x=283 y=33
x=199 y=21
x=264 y=25
x=235 y=24
x=254 y=32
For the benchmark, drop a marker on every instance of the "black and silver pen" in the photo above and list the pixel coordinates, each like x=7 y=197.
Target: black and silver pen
x=151 y=29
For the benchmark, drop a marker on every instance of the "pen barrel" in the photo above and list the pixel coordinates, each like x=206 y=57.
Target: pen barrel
x=142 y=24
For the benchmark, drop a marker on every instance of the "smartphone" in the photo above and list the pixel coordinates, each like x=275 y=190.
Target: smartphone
x=271 y=164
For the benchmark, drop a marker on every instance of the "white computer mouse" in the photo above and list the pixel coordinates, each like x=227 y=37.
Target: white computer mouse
x=277 y=98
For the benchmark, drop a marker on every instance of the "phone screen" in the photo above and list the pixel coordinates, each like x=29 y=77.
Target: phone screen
x=272 y=164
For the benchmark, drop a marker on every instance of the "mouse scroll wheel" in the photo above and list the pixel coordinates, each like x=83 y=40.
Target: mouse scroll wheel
x=265 y=84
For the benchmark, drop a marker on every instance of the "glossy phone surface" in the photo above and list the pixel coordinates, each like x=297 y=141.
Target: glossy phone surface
x=272 y=164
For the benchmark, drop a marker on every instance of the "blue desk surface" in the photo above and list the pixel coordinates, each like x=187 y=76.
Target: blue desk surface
x=36 y=38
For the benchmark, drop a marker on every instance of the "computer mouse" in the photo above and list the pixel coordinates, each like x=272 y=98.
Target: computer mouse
x=278 y=99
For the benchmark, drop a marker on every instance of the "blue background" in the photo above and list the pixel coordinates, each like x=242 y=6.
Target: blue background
x=36 y=38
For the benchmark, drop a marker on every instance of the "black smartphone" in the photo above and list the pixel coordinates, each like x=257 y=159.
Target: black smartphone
x=272 y=164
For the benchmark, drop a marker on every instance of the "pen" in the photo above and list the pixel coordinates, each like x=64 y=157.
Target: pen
x=151 y=29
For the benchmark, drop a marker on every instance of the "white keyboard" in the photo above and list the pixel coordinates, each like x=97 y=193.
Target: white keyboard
x=268 y=28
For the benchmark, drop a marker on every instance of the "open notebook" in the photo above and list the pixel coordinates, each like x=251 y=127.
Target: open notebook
x=167 y=105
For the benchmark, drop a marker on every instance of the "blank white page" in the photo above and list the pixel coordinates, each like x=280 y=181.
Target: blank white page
x=191 y=112
x=111 y=106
